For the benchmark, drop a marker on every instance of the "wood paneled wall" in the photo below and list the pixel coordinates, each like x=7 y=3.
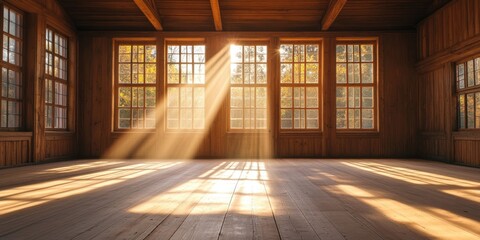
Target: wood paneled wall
x=397 y=102
x=449 y=35
x=33 y=144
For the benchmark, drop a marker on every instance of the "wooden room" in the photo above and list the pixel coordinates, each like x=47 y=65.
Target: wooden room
x=240 y=119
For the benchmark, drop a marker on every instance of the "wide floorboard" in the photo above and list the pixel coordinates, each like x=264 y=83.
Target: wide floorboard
x=240 y=199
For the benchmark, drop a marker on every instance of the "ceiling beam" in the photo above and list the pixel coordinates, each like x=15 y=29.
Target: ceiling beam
x=333 y=10
x=150 y=11
x=217 y=17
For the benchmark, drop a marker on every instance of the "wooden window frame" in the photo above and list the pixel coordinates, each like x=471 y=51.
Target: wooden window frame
x=318 y=85
x=59 y=80
x=117 y=86
x=374 y=84
x=267 y=85
x=180 y=85
x=467 y=90
x=19 y=69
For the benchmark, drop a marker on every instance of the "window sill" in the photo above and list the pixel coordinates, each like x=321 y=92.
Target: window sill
x=251 y=132
x=358 y=134
x=16 y=134
x=301 y=133
x=467 y=134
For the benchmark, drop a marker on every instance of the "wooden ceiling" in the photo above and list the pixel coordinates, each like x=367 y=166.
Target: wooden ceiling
x=248 y=15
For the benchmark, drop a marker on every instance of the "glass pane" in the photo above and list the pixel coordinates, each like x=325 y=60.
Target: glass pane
x=312 y=97
x=299 y=97
x=150 y=96
x=367 y=73
x=150 y=53
x=173 y=72
x=341 y=97
x=173 y=54
x=249 y=73
x=4 y=82
x=312 y=118
x=353 y=73
x=236 y=74
x=367 y=53
x=286 y=119
x=341 y=73
x=199 y=97
x=470 y=74
x=299 y=73
x=236 y=55
x=312 y=53
x=236 y=118
x=236 y=97
x=471 y=110
x=124 y=118
x=262 y=54
x=286 y=53
x=341 y=118
x=354 y=97
x=186 y=74
x=261 y=73
x=299 y=119
x=367 y=118
x=312 y=73
x=124 y=73
x=356 y=53
x=341 y=53
x=477 y=69
x=199 y=73
x=367 y=97
x=186 y=98
x=286 y=73
x=353 y=118
x=150 y=73
x=249 y=54
x=286 y=97
x=3 y=114
x=199 y=51
x=261 y=116
x=299 y=53
x=48 y=116
x=261 y=97
x=461 y=76
x=461 y=111
x=124 y=97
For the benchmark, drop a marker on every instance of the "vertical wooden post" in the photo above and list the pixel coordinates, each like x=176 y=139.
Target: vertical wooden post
x=36 y=74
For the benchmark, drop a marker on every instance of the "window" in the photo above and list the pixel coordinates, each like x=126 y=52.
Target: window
x=135 y=86
x=248 y=87
x=468 y=92
x=356 y=82
x=185 y=86
x=299 y=86
x=56 y=80
x=11 y=104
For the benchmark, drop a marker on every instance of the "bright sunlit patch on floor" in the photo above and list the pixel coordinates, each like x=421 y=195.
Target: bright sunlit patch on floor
x=79 y=167
x=211 y=192
x=22 y=197
x=417 y=218
x=412 y=176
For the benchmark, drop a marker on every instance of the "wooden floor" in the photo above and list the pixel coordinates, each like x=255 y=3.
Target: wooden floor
x=236 y=199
